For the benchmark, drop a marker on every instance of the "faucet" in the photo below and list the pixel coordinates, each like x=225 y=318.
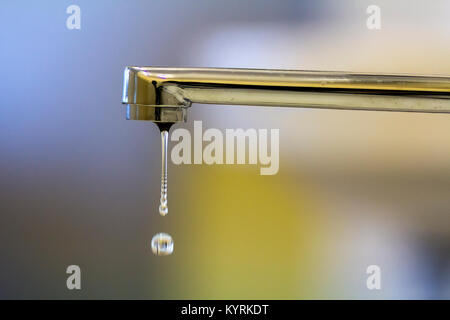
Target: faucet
x=163 y=95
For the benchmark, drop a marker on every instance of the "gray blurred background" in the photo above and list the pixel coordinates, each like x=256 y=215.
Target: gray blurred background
x=80 y=185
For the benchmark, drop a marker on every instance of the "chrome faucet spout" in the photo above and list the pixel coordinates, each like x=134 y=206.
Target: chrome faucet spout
x=163 y=95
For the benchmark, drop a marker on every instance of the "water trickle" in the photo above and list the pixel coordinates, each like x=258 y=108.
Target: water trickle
x=163 y=209
x=162 y=244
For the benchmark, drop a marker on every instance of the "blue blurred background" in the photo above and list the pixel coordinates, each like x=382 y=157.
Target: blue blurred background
x=80 y=185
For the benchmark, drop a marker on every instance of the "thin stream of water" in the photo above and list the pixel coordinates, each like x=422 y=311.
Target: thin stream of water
x=163 y=209
x=162 y=243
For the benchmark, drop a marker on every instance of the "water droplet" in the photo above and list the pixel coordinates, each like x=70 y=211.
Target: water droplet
x=163 y=209
x=162 y=244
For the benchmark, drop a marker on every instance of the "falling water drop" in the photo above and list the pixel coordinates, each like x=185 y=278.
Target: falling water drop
x=163 y=209
x=162 y=244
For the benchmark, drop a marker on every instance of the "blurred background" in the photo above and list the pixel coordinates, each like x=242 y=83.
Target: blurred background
x=80 y=185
